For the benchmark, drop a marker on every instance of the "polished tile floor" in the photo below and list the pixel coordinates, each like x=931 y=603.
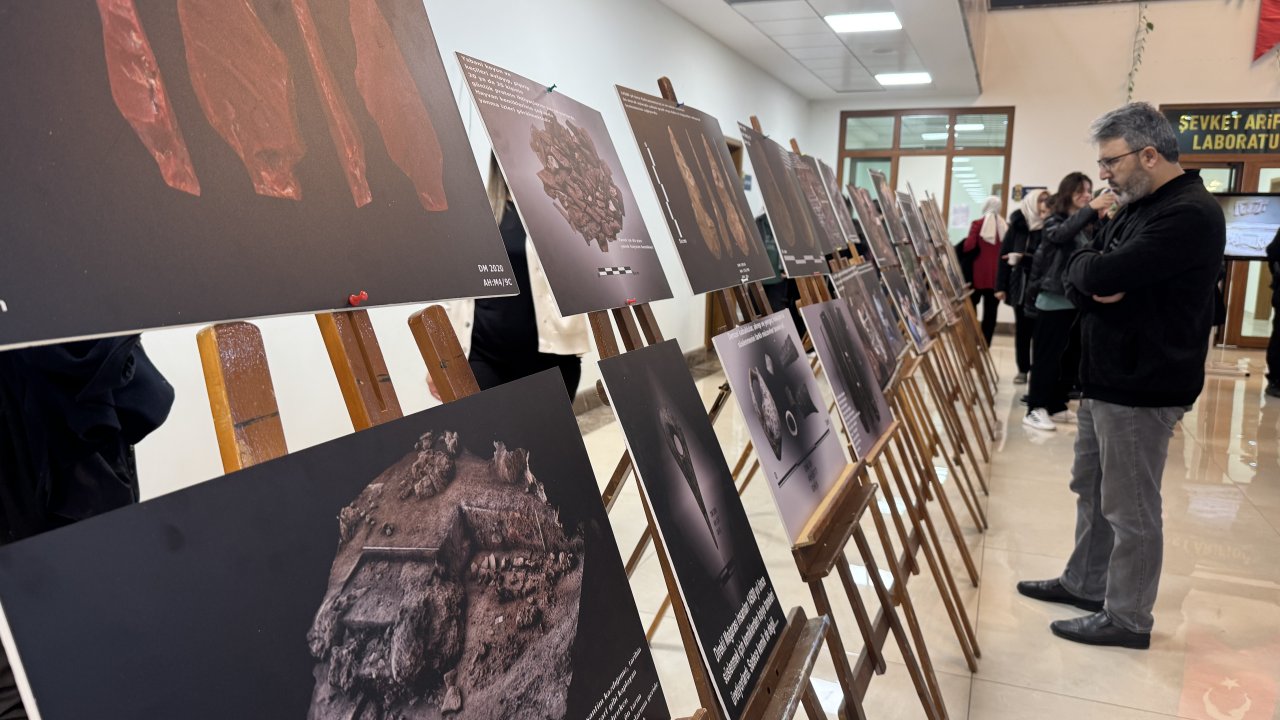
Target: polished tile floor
x=1216 y=648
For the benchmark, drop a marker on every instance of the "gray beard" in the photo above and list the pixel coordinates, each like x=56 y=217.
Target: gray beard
x=1138 y=188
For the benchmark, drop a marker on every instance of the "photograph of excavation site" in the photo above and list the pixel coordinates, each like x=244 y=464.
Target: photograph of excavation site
x=435 y=566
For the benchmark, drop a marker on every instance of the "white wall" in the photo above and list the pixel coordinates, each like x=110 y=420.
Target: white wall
x=585 y=47
x=1063 y=67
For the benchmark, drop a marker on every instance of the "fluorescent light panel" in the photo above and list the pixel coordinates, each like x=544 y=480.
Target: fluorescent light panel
x=970 y=127
x=933 y=136
x=863 y=22
x=911 y=78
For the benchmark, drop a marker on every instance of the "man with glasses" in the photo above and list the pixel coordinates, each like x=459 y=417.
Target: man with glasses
x=1147 y=307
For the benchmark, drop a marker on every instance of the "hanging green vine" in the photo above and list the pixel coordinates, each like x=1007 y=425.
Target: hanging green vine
x=1145 y=26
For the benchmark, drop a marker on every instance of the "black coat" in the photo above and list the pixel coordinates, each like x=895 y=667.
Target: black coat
x=1063 y=236
x=70 y=415
x=1012 y=280
x=1164 y=253
x=1273 y=261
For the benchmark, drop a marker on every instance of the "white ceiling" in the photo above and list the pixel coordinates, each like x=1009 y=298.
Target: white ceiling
x=790 y=40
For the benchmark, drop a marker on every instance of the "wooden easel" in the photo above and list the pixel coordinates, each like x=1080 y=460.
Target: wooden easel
x=242 y=395
x=922 y=534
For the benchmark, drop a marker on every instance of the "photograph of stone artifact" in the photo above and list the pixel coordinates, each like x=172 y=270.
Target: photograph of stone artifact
x=820 y=204
x=850 y=370
x=579 y=181
x=707 y=224
x=239 y=145
x=782 y=404
x=570 y=193
x=728 y=208
x=433 y=567
x=896 y=286
x=699 y=190
x=873 y=224
x=789 y=213
x=697 y=514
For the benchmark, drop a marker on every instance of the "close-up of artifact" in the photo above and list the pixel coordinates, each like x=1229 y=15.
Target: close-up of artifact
x=678 y=446
x=579 y=181
x=454 y=593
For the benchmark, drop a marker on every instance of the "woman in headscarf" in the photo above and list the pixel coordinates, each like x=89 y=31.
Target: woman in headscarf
x=1016 y=253
x=983 y=244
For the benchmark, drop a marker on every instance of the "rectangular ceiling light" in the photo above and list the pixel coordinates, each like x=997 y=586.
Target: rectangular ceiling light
x=863 y=22
x=970 y=127
x=930 y=137
x=910 y=78
x=960 y=161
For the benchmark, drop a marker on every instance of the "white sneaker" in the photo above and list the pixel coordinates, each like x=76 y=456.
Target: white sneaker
x=1039 y=419
x=1066 y=417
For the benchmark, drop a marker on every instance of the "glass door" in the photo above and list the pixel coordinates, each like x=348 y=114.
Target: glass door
x=1249 y=311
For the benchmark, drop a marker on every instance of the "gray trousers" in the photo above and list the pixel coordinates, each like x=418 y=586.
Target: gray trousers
x=1120 y=456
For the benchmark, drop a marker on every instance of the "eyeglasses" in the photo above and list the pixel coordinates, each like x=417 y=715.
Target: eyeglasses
x=1109 y=163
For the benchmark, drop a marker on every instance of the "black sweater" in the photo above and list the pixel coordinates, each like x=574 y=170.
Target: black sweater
x=1163 y=252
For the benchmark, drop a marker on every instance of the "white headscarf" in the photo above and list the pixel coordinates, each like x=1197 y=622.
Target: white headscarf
x=1031 y=208
x=993 y=226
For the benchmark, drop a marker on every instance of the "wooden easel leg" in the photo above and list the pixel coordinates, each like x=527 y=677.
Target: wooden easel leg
x=958 y=471
x=835 y=646
x=933 y=704
x=925 y=452
x=865 y=626
x=897 y=564
x=941 y=569
x=959 y=438
x=952 y=376
x=917 y=487
x=912 y=565
x=812 y=708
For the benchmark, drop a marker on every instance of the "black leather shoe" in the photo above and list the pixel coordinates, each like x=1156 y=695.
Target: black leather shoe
x=1052 y=591
x=1273 y=389
x=1098 y=629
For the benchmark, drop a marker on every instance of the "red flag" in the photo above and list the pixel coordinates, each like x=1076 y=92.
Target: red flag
x=1268 y=28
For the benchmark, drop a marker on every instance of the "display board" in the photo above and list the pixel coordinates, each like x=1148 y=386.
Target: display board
x=844 y=215
x=775 y=388
x=851 y=368
x=567 y=183
x=701 y=195
x=861 y=286
x=878 y=243
x=790 y=216
x=456 y=563
x=1252 y=223
x=171 y=163
x=916 y=281
x=732 y=604
x=915 y=224
x=896 y=285
x=889 y=208
x=821 y=204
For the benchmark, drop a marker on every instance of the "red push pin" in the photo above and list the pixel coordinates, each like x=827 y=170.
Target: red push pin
x=355 y=299
x=631 y=301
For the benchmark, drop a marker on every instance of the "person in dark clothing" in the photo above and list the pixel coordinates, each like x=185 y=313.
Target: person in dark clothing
x=983 y=244
x=1273 y=345
x=1016 y=253
x=508 y=338
x=70 y=415
x=775 y=288
x=1147 y=298
x=1057 y=343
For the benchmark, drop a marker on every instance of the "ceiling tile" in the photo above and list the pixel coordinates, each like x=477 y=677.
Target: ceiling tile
x=765 y=10
x=808 y=40
x=794 y=27
x=817 y=53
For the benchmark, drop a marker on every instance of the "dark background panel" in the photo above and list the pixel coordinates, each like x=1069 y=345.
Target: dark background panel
x=196 y=605
x=639 y=384
x=95 y=242
x=704 y=271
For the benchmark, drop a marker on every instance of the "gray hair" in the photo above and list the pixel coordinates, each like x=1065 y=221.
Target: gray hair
x=1140 y=125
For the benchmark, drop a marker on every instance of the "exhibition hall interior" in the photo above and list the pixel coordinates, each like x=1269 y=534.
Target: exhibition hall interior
x=640 y=360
